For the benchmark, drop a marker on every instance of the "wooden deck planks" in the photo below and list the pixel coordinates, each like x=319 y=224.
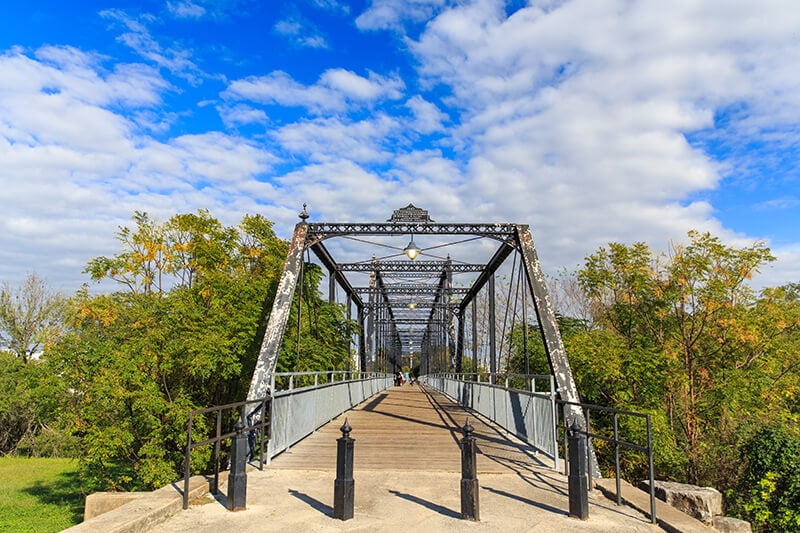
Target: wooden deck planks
x=414 y=429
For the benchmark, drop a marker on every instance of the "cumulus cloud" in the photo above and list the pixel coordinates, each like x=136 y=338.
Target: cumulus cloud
x=576 y=117
x=137 y=36
x=336 y=90
x=392 y=14
x=300 y=32
x=75 y=165
x=186 y=9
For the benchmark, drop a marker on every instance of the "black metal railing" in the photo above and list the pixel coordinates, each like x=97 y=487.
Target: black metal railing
x=616 y=441
x=256 y=419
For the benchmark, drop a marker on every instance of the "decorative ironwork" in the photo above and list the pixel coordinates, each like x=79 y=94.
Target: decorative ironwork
x=408 y=266
x=413 y=290
x=410 y=213
x=318 y=231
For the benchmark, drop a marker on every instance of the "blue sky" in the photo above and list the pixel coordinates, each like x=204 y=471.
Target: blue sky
x=593 y=121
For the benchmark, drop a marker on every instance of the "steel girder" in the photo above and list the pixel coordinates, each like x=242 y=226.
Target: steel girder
x=413 y=290
x=260 y=385
x=415 y=267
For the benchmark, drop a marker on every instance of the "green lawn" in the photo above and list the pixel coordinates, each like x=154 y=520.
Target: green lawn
x=40 y=495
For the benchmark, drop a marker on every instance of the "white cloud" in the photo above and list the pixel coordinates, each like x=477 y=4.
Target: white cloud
x=301 y=33
x=137 y=36
x=391 y=14
x=186 y=9
x=428 y=118
x=75 y=167
x=336 y=90
x=575 y=118
x=241 y=114
x=332 y=139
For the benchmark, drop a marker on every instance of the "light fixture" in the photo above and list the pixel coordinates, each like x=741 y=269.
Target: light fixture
x=412 y=305
x=411 y=250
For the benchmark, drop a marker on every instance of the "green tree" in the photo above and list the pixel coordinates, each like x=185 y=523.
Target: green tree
x=31 y=317
x=692 y=308
x=183 y=333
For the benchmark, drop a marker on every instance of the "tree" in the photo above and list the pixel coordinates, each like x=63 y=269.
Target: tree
x=31 y=317
x=183 y=332
x=694 y=310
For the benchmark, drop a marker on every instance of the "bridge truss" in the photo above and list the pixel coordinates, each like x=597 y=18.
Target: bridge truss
x=412 y=311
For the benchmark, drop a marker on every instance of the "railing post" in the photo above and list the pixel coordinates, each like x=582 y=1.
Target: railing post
x=470 y=509
x=344 y=485
x=187 y=463
x=237 y=479
x=578 y=485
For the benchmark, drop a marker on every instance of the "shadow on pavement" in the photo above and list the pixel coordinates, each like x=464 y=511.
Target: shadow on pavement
x=313 y=502
x=425 y=503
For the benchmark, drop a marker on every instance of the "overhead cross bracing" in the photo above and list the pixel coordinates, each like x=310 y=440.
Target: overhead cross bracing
x=430 y=303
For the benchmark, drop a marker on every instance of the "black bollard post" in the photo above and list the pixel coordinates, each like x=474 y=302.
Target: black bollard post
x=344 y=485
x=578 y=483
x=237 y=479
x=470 y=510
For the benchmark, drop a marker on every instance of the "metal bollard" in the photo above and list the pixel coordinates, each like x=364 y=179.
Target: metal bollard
x=470 y=510
x=237 y=479
x=344 y=485
x=578 y=483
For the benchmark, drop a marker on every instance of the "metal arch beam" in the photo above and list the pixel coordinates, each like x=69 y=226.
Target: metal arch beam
x=489 y=269
x=326 y=259
x=276 y=325
x=409 y=266
x=553 y=344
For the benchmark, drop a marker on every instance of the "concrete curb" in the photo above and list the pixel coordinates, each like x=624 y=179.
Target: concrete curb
x=150 y=509
x=667 y=517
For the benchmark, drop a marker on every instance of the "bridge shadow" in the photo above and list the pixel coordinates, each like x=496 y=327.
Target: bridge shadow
x=543 y=506
x=313 y=502
x=425 y=503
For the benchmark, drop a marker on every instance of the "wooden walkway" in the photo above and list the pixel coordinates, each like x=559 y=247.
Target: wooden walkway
x=415 y=429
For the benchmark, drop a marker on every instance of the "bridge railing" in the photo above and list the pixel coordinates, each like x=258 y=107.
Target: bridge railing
x=533 y=416
x=529 y=414
x=297 y=411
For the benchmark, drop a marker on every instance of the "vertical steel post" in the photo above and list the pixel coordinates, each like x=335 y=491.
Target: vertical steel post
x=475 y=336
x=577 y=481
x=187 y=464
x=616 y=458
x=344 y=485
x=470 y=508
x=216 y=452
x=237 y=479
x=492 y=332
x=362 y=344
x=370 y=355
x=460 y=343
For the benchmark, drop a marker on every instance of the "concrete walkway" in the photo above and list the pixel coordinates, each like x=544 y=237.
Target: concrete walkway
x=407 y=475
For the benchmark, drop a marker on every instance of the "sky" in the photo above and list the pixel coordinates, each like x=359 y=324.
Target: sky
x=591 y=120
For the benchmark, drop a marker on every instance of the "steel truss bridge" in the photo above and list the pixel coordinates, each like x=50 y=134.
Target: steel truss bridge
x=425 y=307
x=412 y=313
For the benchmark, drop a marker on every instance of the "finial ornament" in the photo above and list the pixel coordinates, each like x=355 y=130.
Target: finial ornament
x=468 y=429
x=304 y=215
x=345 y=429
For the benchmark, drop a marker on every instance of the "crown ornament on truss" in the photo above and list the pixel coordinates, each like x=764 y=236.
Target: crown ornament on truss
x=304 y=215
x=410 y=213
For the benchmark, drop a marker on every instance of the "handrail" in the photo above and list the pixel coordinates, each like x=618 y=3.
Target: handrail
x=261 y=427
x=587 y=410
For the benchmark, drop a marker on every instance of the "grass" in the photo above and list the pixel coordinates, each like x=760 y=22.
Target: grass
x=39 y=495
